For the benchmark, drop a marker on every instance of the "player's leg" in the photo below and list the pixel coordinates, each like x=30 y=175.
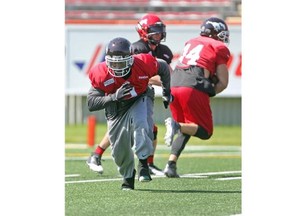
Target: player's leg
x=176 y=149
x=173 y=128
x=120 y=133
x=154 y=170
x=179 y=144
x=94 y=161
x=143 y=137
x=186 y=115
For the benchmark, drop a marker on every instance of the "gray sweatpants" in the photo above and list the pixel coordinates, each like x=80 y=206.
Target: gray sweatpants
x=131 y=130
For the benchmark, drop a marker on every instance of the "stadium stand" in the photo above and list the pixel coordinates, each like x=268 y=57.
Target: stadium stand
x=167 y=9
x=84 y=14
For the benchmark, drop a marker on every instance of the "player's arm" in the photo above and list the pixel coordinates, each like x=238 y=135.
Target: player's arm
x=97 y=99
x=222 y=57
x=223 y=77
x=170 y=54
x=155 y=80
x=164 y=73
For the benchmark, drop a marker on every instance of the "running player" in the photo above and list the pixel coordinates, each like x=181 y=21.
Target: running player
x=119 y=86
x=201 y=73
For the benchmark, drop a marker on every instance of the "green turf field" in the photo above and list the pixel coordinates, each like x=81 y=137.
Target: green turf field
x=223 y=135
x=210 y=182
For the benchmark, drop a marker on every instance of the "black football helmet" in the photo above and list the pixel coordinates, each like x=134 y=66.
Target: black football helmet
x=215 y=28
x=149 y=25
x=119 y=57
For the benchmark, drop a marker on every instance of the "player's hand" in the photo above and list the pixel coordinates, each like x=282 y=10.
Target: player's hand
x=122 y=92
x=167 y=99
x=214 y=79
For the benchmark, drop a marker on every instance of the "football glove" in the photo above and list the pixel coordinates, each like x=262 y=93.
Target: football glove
x=122 y=92
x=167 y=99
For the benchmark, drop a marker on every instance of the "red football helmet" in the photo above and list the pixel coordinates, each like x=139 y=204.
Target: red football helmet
x=149 y=25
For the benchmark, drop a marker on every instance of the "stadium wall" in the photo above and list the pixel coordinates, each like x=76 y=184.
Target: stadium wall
x=226 y=110
x=85 y=47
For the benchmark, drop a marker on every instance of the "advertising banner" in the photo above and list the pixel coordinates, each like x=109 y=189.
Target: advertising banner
x=85 y=47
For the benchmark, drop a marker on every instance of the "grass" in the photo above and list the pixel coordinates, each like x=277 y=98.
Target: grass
x=210 y=182
x=223 y=135
x=202 y=195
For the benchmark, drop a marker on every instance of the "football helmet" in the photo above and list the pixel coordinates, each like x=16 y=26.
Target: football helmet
x=118 y=57
x=150 y=25
x=215 y=28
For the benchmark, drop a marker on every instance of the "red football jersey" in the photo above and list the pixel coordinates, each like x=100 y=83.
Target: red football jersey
x=205 y=52
x=144 y=67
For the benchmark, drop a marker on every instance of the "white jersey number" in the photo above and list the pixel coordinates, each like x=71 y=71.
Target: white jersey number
x=191 y=55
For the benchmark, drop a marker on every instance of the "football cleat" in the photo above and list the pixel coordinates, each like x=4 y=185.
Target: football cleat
x=143 y=173
x=170 y=171
x=94 y=163
x=128 y=183
x=154 y=170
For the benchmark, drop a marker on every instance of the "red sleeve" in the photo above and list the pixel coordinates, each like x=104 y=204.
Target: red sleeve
x=96 y=76
x=222 y=55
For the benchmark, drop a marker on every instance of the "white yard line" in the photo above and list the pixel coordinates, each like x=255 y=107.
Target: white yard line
x=93 y=180
x=217 y=173
x=192 y=175
x=197 y=151
x=202 y=148
x=162 y=146
x=229 y=178
x=72 y=175
x=166 y=155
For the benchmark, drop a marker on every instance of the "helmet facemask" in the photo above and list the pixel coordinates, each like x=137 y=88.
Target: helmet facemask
x=158 y=28
x=119 y=66
x=224 y=36
x=118 y=57
x=149 y=26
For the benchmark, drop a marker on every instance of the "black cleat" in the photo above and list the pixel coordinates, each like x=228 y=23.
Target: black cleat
x=128 y=183
x=143 y=173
